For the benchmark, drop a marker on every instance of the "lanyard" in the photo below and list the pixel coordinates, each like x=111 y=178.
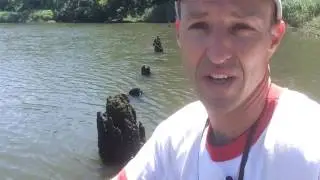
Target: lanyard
x=246 y=151
x=275 y=93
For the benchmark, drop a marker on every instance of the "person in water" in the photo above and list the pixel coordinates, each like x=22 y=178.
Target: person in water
x=243 y=126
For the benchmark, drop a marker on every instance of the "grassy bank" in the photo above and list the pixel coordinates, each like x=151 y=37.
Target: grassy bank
x=303 y=15
x=162 y=13
x=26 y=16
x=310 y=29
x=298 y=12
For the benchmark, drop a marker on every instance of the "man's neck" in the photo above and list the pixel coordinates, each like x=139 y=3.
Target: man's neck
x=228 y=127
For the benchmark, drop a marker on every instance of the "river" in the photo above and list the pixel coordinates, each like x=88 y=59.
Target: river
x=55 y=77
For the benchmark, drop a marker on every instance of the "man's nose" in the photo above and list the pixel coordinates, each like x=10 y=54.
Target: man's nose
x=218 y=48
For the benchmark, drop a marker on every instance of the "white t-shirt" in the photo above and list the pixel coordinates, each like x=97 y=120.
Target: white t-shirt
x=286 y=148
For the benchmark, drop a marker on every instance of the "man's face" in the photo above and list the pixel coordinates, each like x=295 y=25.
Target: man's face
x=226 y=46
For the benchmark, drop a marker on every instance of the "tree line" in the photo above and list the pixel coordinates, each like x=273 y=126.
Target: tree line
x=88 y=10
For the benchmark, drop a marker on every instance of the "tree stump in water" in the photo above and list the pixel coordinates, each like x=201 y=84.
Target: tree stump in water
x=120 y=136
x=157 y=45
x=145 y=70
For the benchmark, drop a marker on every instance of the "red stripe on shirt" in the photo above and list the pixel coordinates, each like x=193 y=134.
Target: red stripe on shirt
x=235 y=148
x=122 y=175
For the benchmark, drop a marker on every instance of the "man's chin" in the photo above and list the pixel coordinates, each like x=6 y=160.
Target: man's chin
x=219 y=103
x=219 y=95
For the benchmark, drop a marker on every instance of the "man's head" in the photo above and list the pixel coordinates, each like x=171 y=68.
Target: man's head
x=226 y=46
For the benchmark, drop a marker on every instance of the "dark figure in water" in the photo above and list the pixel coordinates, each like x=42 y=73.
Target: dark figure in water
x=145 y=70
x=157 y=45
x=135 y=92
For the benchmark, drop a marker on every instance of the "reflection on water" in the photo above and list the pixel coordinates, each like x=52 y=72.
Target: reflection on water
x=55 y=77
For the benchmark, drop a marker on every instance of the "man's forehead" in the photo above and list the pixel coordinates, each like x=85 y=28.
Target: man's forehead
x=238 y=8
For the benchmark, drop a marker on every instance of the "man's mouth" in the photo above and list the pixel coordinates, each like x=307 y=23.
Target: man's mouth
x=221 y=78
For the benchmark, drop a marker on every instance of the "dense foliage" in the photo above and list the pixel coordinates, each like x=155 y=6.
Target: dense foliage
x=81 y=10
x=298 y=12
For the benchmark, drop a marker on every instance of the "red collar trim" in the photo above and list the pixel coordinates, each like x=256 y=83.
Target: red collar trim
x=121 y=175
x=235 y=148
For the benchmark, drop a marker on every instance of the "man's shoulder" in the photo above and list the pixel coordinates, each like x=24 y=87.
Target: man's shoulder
x=295 y=126
x=189 y=117
x=185 y=124
x=299 y=112
x=298 y=105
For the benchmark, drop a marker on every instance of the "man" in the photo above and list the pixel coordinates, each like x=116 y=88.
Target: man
x=243 y=127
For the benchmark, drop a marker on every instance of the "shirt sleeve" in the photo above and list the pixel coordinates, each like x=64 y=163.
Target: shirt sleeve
x=149 y=162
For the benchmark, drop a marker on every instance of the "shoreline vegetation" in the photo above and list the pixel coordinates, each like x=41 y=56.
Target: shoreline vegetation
x=302 y=15
x=86 y=11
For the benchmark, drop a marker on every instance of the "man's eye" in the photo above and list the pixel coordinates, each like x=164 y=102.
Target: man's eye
x=241 y=27
x=199 y=26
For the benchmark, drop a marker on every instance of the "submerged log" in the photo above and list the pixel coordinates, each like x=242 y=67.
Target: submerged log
x=120 y=136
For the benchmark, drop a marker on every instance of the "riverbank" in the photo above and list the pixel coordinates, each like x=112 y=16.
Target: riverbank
x=86 y=11
x=310 y=29
x=303 y=16
x=27 y=16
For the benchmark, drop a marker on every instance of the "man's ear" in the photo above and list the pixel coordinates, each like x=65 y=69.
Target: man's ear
x=277 y=33
x=177 y=32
